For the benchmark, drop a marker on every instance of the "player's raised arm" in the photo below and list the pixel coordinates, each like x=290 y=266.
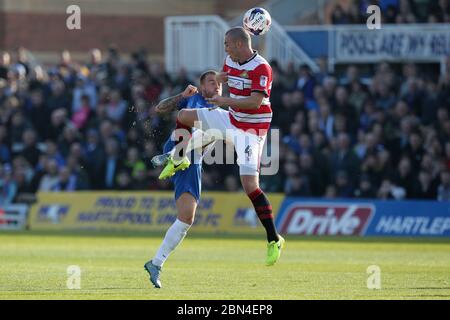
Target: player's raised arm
x=171 y=103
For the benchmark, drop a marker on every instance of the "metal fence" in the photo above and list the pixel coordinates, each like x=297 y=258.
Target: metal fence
x=195 y=43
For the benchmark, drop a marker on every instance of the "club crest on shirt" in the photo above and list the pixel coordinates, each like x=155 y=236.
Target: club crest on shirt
x=263 y=81
x=244 y=74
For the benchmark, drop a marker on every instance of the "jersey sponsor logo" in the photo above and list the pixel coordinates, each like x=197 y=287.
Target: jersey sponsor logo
x=235 y=83
x=263 y=81
x=326 y=219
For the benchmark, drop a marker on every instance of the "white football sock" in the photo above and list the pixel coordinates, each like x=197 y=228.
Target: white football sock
x=174 y=235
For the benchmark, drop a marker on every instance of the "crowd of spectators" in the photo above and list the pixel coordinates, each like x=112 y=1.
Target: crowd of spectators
x=93 y=126
x=394 y=11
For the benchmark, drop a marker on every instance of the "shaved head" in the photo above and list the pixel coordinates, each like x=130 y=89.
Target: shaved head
x=238 y=34
x=238 y=44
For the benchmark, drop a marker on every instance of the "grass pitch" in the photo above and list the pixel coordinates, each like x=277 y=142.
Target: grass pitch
x=34 y=266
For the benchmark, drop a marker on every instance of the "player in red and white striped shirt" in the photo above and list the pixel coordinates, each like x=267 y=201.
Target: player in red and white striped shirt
x=251 y=78
x=245 y=124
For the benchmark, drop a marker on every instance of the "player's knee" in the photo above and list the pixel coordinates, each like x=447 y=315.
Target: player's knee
x=186 y=218
x=183 y=116
x=250 y=185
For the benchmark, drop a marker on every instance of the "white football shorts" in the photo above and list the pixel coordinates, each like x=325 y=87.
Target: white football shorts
x=249 y=147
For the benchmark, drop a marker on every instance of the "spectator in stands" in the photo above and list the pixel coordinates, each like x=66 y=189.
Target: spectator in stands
x=116 y=107
x=289 y=77
x=414 y=149
x=66 y=181
x=53 y=152
x=392 y=127
x=140 y=180
x=312 y=174
x=58 y=121
x=30 y=151
x=365 y=189
x=390 y=13
x=38 y=113
x=323 y=72
x=297 y=186
x=439 y=11
x=425 y=189
x=232 y=184
x=388 y=190
x=443 y=192
x=69 y=136
x=331 y=192
x=306 y=81
x=78 y=170
x=339 y=16
x=5 y=154
x=344 y=188
x=344 y=108
x=8 y=186
x=5 y=61
x=132 y=162
x=50 y=177
x=80 y=117
x=404 y=177
x=18 y=126
x=325 y=118
x=111 y=165
x=60 y=97
x=344 y=159
x=123 y=181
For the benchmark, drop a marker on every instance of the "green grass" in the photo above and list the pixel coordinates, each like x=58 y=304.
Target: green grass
x=33 y=266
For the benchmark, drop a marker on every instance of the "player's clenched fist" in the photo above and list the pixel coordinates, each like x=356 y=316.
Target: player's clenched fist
x=222 y=77
x=189 y=91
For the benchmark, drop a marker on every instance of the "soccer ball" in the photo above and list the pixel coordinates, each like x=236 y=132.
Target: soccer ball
x=257 y=21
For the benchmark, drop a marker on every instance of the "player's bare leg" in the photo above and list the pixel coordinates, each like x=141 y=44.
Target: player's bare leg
x=263 y=209
x=186 y=206
x=187 y=117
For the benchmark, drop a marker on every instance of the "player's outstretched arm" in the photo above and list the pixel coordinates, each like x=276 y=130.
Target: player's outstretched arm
x=252 y=102
x=222 y=77
x=171 y=103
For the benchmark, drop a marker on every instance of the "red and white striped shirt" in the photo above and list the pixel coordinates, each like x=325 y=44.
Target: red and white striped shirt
x=255 y=74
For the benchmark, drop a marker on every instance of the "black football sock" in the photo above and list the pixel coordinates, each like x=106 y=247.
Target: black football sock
x=264 y=211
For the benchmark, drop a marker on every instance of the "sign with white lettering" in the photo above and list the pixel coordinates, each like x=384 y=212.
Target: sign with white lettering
x=364 y=218
x=392 y=44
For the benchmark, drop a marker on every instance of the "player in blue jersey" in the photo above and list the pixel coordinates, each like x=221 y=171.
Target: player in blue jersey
x=188 y=182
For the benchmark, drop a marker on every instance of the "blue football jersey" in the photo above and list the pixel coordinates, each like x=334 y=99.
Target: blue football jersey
x=189 y=180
